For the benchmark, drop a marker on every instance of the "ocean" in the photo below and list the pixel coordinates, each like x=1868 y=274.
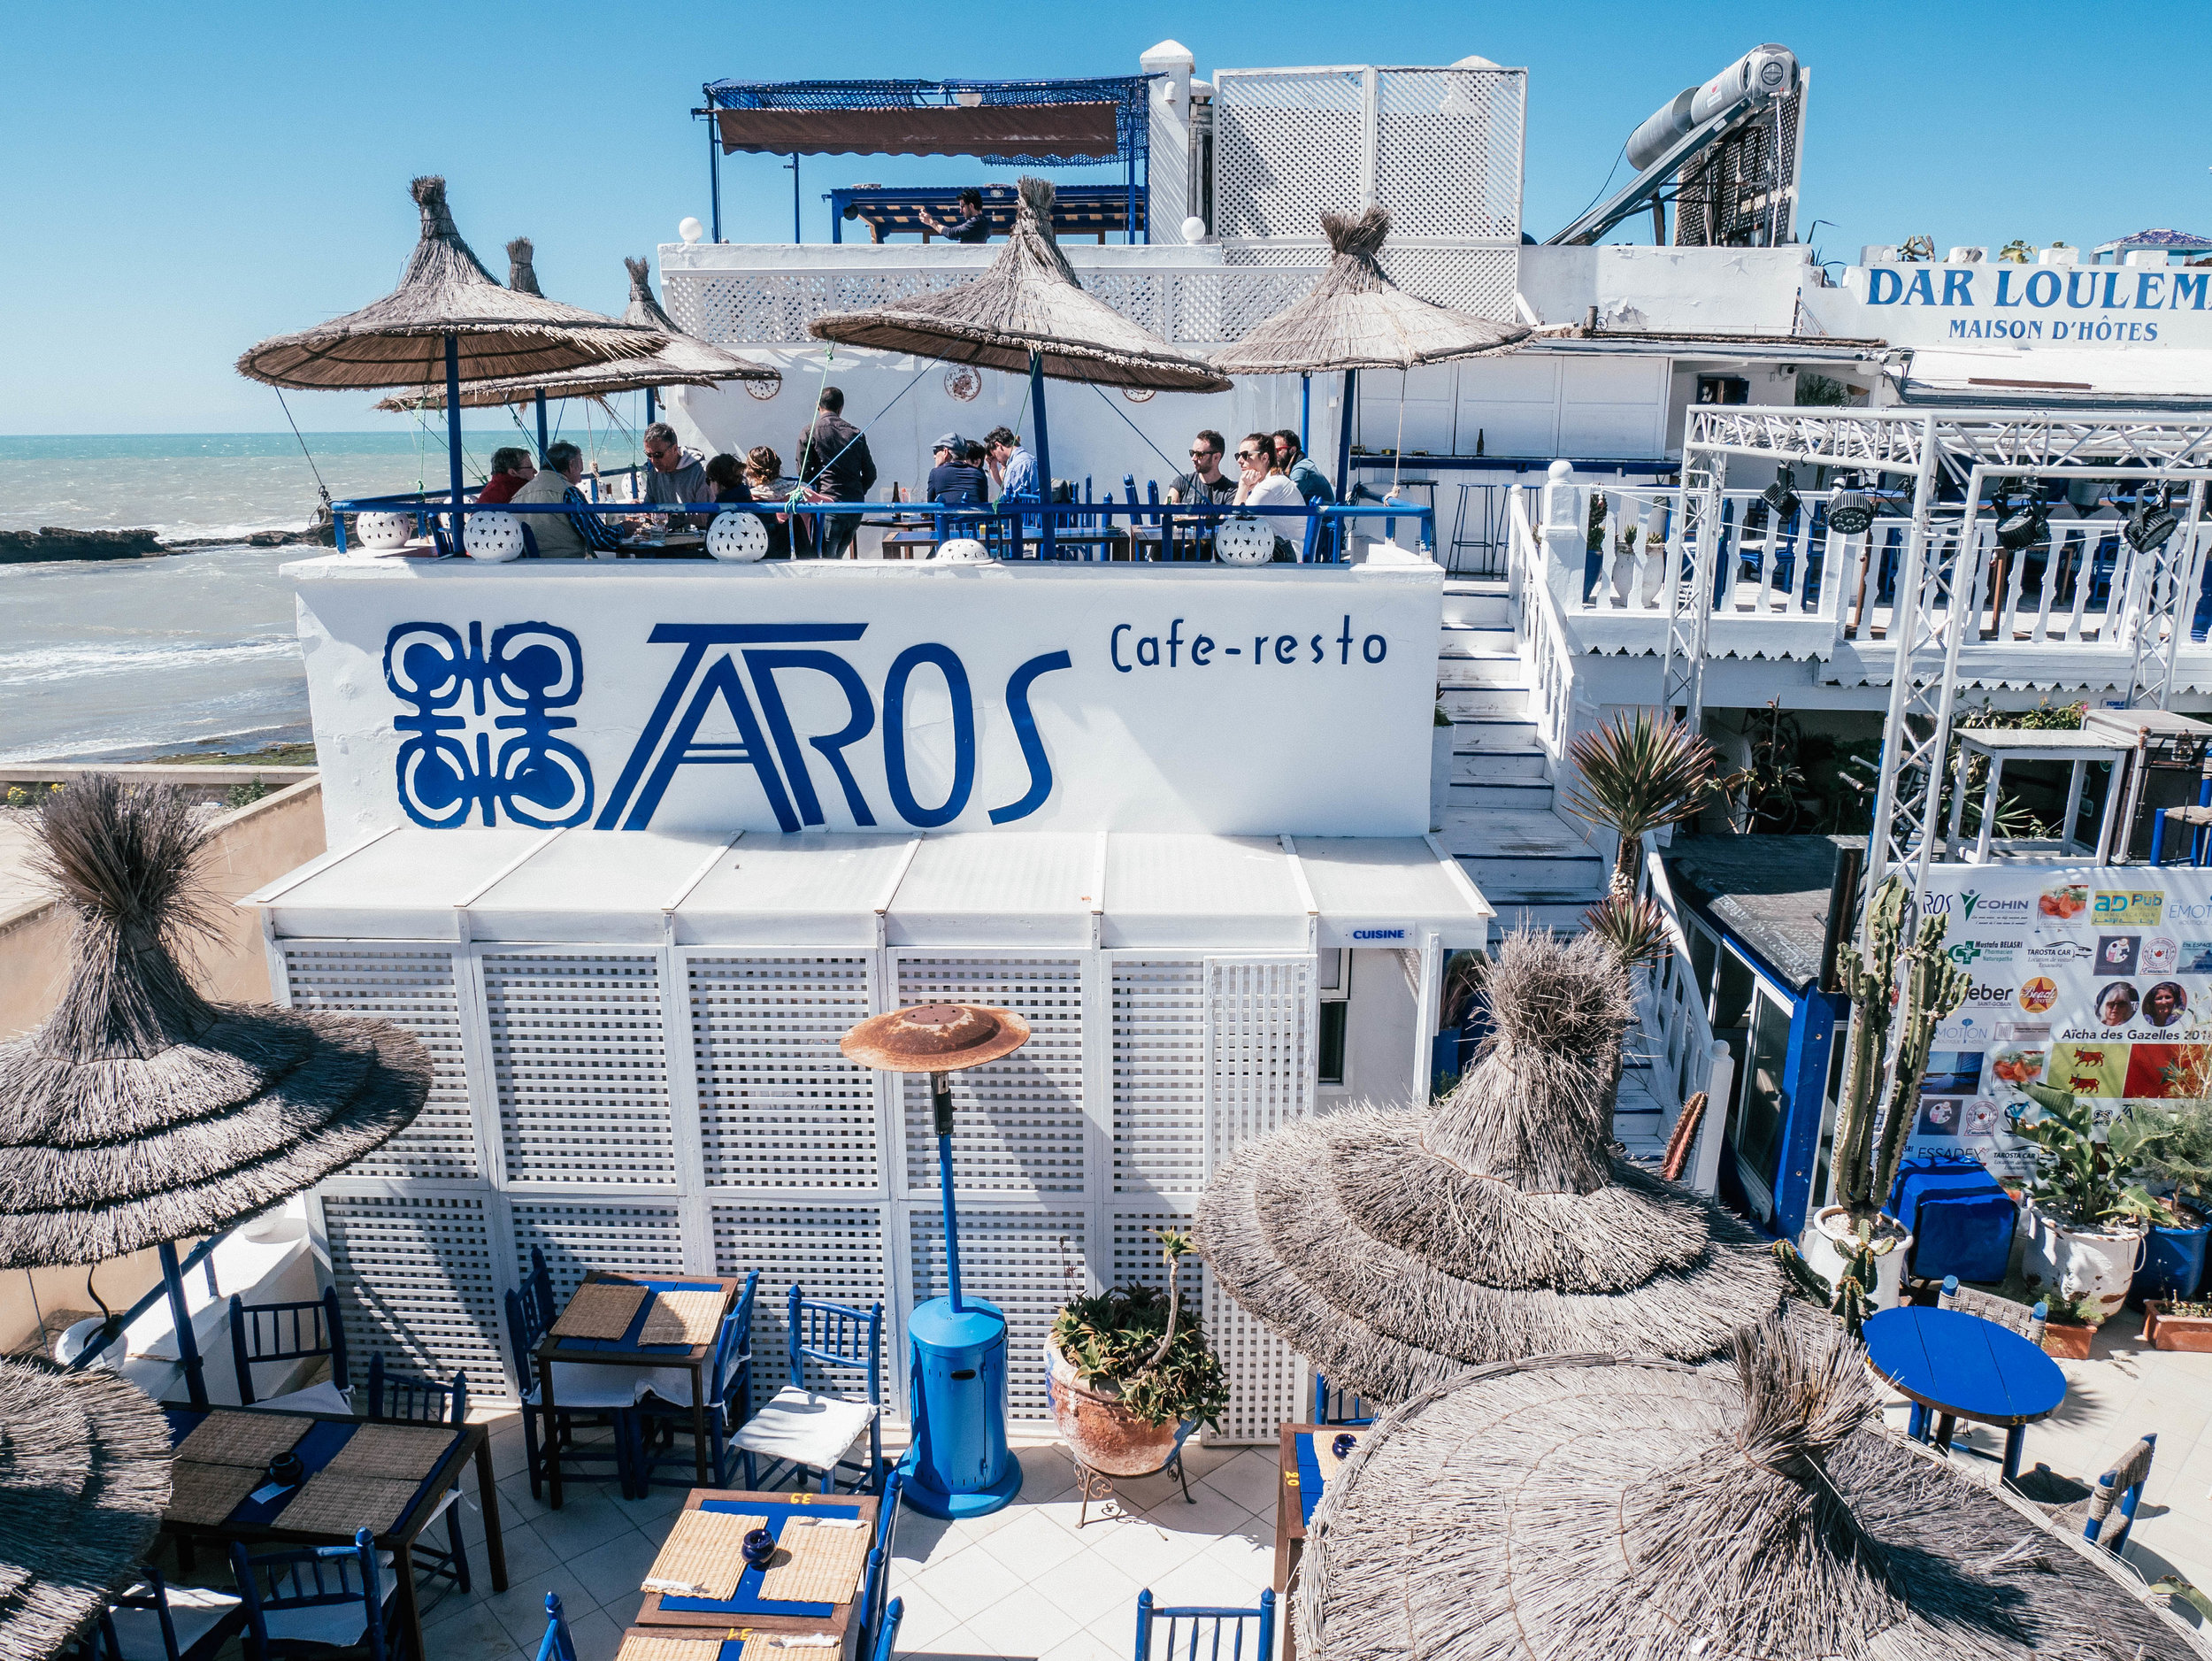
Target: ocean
x=124 y=660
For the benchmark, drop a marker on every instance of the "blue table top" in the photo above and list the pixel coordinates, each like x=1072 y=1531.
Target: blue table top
x=316 y=1449
x=627 y=1344
x=1961 y=1364
x=749 y=1600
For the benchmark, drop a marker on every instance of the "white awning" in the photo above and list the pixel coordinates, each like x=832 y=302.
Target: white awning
x=2116 y=377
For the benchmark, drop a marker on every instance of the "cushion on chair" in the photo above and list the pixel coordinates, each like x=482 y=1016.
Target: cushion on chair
x=316 y=1398
x=807 y=1429
x=195 y=1611
x=335 y=1624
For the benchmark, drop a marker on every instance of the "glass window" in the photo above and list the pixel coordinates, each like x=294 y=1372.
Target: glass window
x=1759 y=1124
x=1331 y=1070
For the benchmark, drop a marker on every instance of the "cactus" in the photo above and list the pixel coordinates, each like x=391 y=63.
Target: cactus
x=1934 y=987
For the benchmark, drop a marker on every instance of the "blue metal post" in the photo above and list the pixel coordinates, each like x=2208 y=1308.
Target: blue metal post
x=714 y=169
x=1305 y=411
x=652 y=406
x=952 y=1223
x=542 y=439
x=795 y=237
x=179 y=1313
x=453 y=428
x=1047 y=548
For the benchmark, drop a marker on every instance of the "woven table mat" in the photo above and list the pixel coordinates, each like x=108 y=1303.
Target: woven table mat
x=601 y=1309
x=814 y=1565
x=789 y=1646
x=1325 y=1454
x=207 y=1494
x=640 y=1647
x=707 y=1550
x=339 y=1501
x=242 y=1438
x=395 y=1452
x=685 y=1317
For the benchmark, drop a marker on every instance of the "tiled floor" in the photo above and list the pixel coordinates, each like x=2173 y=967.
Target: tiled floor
x=1027 y=1582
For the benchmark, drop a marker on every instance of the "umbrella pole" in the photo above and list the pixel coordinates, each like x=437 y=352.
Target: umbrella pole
x=180 y=1318
x=453 y=429
x=940 y=1106
x=1048 y=549
x=1344 y=437
x=542 y=434
x=1305 y=412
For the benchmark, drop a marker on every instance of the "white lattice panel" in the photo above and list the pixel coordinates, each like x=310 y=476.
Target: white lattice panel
x=618 y=1236
x=1260 y=1060
x=1448 y=152
x=1141 y=296
x=1028 y=1262
x=581 y=1067
x=411 y=987
x=1136 y=1259
x=418 y=1279
x=778 y=1105
x=834 y=1252
x=1229 y=304
x=1018 y=1123
x=1479 y=281
x=1267 y=1379
x=1159 y=1078
x=1288 y=146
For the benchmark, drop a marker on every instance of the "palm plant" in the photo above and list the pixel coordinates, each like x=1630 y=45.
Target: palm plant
x=1639 y=772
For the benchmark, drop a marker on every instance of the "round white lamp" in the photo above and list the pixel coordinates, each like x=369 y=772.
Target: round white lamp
x=1244 y=540
x=378 y=533
x=1193 y=229
x=494 y=537
x=690 y=230
x=963 y=551
x=738 y=537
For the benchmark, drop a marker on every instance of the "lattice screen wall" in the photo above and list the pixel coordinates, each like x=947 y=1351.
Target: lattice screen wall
x=687 y=1109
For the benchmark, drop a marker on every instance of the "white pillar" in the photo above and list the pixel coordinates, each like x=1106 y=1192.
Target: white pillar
x=1169 y=171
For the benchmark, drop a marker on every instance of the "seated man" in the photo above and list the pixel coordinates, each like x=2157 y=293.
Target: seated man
x=511 y=469
x=1298 y=467
x=1205 y=481
x=1016 y=471
x=970 y=224
x=564 y=535
x=673 y=473
x=955 y=481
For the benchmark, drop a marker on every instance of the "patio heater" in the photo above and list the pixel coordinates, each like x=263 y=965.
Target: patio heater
x=956 y=1345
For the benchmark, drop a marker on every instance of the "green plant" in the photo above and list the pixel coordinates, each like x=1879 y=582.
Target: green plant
x=1139 y=1340
x=2081 y=1177
x=1633 y=925
x=2180 y=1154
x=2068 y=1309
x=1442 y=718
x=1821 y=391
x=2017 y=253
x=1639 y=772
x=245 y=795
x=18 y=796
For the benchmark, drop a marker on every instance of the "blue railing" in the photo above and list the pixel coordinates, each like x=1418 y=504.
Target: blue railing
x=1078 y=532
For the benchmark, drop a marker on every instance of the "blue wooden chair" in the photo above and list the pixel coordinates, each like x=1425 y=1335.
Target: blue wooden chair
x=875 y=1585
x=263 y=1333
x=155 y=1621
x=804 y=1430
x=886 y=1641
x=402 y=1398
x=1338 y=1405
x=539 y=1290
x=730 y=1374
x=309 y=1602
x=2072 y=1504
x=609 y=1407
x=1227 y=1634
x=556 y=1645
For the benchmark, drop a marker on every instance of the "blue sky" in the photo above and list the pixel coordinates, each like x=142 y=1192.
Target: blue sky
x=183 y=181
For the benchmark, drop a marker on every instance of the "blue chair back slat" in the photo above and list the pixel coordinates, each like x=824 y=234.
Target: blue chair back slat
x=538 y=1289
x=152 y=1597
x=875 y=1587
x=1338 y=1406
x=315 y=1577
x=886 y=1640
x=409 y=1399
x=557 y=1644
x=523 y=1335
x=1229 y=1635
x=2130 y=1497
x=287 y=1332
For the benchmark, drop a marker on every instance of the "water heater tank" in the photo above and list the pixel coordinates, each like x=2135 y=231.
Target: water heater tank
x=1765 y=72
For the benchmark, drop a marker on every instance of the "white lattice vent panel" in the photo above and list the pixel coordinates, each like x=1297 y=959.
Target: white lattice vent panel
x=1287 y=145
x=1261 y=1061
x=1028 y=1262
x=778 y=1105
x=833 y=1252
x=774 y=308
x=616 y=1236
x=411 y=987
x=1478 y=280
x=1138 y=295
x=1448 y=152
x=418 y=1280
x=581 y=1067
x=1227 y=305
x=1159 y=1075
x=1267 y=1380
x=1018 y=1123
x=1137 y=1259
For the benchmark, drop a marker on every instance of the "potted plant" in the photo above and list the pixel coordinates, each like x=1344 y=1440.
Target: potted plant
x=1853 y=1251
x=2180 y=1157
x=1639 y=773
x=1130 y=1368
x=2085 y=1222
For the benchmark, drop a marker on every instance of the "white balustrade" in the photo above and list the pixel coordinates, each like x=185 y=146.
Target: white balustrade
x=1676 y=1033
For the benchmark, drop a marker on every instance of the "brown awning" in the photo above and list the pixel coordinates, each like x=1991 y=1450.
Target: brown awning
x=993 y=129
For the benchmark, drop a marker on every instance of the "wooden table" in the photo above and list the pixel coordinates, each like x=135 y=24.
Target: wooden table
x=675 y=545
x=253 y=1523
x=1298 y=1488
x=1960 y=1366
x=625 y=1351
x=664 y=1616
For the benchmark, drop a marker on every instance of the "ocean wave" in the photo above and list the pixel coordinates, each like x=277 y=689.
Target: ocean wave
x=42 y=667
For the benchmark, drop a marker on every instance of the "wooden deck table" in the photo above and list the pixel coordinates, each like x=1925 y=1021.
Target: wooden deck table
x=666 y=1616
x=1298 y=1485
x=1948 y=1362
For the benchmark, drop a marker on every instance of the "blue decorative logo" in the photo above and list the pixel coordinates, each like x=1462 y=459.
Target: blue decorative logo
x=445 y=772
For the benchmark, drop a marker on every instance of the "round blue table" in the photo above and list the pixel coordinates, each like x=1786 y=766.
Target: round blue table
x=1960 y=1366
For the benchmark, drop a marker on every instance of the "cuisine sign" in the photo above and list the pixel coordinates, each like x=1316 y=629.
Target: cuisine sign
x=2093 y=980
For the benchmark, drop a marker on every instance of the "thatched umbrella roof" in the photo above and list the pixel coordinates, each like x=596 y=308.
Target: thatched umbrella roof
x=400 y=340
x=1578 y=1508
x=1396 y=1249
x=139 y=1112
x=522 y=275
x=1028 y=301
x=686 y=361
x=1355 y=318
x=84 y=1474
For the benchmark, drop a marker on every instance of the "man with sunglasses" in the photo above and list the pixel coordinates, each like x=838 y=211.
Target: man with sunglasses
x=673 y=473
x=1205 y=481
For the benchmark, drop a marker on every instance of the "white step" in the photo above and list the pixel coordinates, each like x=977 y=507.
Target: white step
x=1487 y=636
x=1488 y=730
x=1482 y=702
x=1467 y=600
x=1519 y=795
x=1473 y=764
x=1464 y=667
x=1562 y=916
x=1524 y=857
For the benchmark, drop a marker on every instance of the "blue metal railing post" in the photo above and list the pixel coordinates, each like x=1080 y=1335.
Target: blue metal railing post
x=180 y=1314
x=1047 y=548
x=714 y=169
x=1305 y=411
x=795 y=237
x=453 y=428
x=1344 y=438
x=544 y=442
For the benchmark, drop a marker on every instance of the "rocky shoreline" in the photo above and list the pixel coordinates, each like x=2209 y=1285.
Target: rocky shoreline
x=50 y=542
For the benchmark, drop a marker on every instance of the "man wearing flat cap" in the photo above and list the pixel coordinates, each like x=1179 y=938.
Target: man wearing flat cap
x=955 y=481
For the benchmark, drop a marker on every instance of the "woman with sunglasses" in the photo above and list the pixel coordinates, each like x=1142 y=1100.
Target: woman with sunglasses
x=1262 y=484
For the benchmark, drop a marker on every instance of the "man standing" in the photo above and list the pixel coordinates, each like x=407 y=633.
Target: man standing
x=511 y=469
x=834 y=458
x=970 y=225
x=1205 y=481
x=564 y=535
x=673 y=473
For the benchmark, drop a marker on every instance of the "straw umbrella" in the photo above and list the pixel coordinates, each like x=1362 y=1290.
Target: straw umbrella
x=84 y=1475
x=1396 y=1249
x=1354 y=318
x=1578 y=1508
x=447 y=318
x=141 y=1113
x=1027 y=313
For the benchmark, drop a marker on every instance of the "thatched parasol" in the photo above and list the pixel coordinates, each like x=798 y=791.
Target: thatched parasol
x=141 y=1113
x=1578 y=1508
x=1396 y=1249
x=84 y=1475
x=522 y=275
x=1354 y=318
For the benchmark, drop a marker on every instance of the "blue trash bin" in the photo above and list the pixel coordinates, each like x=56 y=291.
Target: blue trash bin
x=1961 y=1220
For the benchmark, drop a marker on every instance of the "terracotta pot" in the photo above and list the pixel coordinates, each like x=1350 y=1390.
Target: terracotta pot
x=2165 y=1331
x=1100 y=1431
x=2067 y=1339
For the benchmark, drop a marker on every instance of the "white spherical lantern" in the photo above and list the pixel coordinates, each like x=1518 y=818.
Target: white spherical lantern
x=963 y=551
x=690 y=230
x=1244 y=540
x=740 y=538
x=496 y=537
x=1193 y=229
x=375 y=533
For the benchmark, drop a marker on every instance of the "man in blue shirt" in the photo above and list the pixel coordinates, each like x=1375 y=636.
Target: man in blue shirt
x=1016 y=471
x=1291 y=456
x=970 y=225
x=955 y=481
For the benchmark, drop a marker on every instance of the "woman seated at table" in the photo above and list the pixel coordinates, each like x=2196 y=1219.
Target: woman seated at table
x=765 y=480
x=726 y=475
x=1262 y=484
